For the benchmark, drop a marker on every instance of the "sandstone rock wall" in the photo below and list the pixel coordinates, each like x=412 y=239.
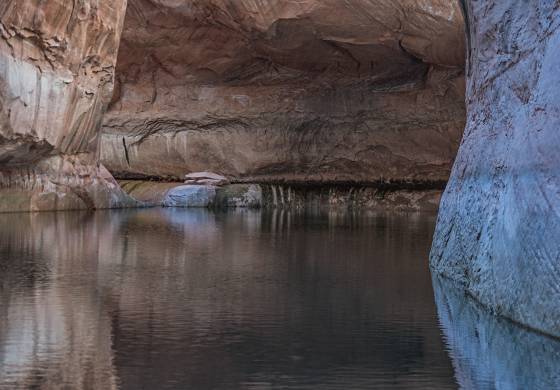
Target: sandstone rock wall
x=281 y=91
x=498 y=227
x=307 y=91
x=57 y=62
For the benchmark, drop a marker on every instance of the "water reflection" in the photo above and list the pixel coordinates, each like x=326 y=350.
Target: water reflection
x=490 y=352
x=166 y=298
x=53 y=330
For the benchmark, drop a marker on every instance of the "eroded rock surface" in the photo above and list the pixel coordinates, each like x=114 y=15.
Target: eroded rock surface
x=306 y=91
x=57 y=62
x=499 y=224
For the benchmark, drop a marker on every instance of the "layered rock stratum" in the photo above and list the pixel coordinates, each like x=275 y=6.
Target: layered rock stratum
x=261 y=92
x=498 y=228
x=57 y=63
x=320 y=91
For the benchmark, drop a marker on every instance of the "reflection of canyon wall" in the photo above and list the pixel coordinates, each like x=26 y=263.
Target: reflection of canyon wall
x=57 y=62
x=499 y=223
x=490 y=352
x=132 y=297
x=53 y=332
x=252 y=291
x=325 y=91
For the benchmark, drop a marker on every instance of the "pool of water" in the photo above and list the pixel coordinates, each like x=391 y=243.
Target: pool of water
x=193 y=299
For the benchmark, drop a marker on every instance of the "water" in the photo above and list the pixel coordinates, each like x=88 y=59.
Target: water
x=191 y=299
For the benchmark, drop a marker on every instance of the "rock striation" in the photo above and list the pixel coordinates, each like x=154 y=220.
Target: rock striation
x=281 y=197
x=57 y=63
x=318 y=91
x=498 y=227
x=315 y=91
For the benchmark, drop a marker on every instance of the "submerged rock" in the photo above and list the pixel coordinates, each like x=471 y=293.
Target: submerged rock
x=190 y=196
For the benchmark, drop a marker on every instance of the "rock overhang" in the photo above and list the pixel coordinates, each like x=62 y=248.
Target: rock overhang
x=305 y=91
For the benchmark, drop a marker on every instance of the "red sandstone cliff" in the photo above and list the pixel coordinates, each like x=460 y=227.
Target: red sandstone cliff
x=306 y=91
x=57 y=62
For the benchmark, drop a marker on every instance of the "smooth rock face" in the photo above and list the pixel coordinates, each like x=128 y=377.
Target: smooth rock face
x=298 y=91
x=57 y=61
x=499 y=224
x=190 y=196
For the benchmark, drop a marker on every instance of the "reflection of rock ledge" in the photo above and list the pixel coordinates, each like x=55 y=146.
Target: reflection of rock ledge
x=492 y=352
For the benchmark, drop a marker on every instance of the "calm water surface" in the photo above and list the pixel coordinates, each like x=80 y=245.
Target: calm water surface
x=192 y=299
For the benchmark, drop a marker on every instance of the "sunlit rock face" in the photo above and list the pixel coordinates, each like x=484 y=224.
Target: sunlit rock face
x=499 y=222
x=57 y=61
x=297 y=91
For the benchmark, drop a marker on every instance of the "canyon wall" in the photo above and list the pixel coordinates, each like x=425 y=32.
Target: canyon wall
x=322 y=92
x=57 y=62
x=498 y=228
x=318 y=91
